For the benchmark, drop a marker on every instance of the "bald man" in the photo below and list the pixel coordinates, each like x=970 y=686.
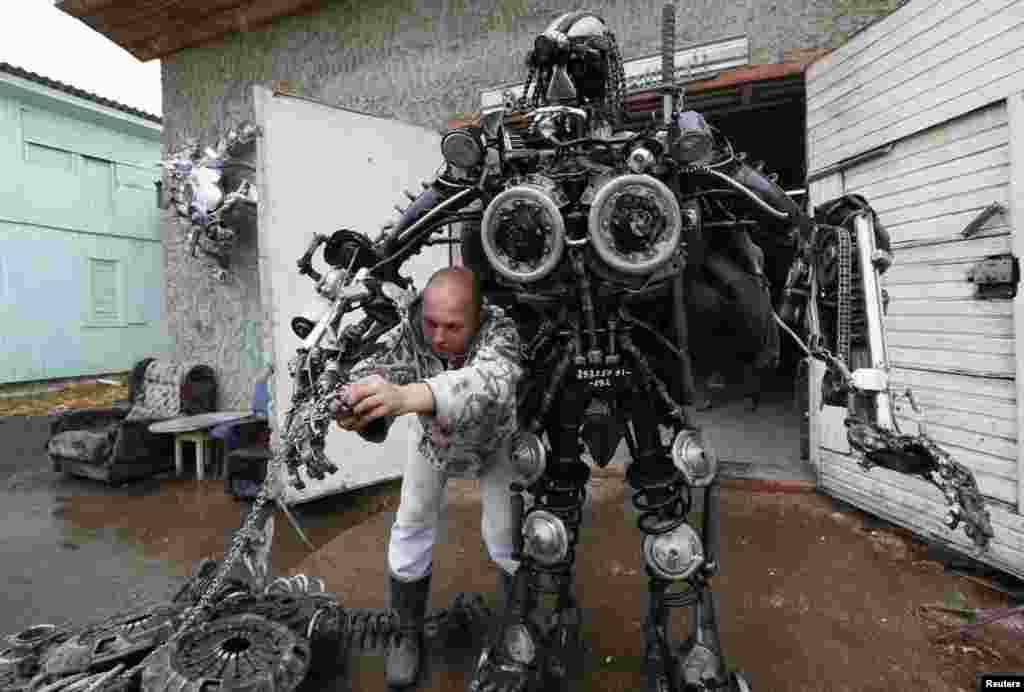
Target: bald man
x=454 y=361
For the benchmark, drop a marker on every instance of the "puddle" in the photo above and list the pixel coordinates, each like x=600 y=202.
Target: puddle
x=182 y=521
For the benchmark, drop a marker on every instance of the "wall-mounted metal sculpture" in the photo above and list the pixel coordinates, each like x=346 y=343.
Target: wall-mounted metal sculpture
x=213 y=193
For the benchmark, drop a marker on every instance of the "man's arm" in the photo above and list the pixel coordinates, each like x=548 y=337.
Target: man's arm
x=417 y=398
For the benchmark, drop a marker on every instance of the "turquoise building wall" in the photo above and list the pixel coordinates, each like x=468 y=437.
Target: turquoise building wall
x=81 y=287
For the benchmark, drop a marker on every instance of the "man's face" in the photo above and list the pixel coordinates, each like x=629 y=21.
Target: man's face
x=448 y=323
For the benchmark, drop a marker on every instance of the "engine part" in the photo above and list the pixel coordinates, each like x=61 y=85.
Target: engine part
x=528 y=456
x=297 y=584
x=640 y=159
x=699 y=666
x=695 y=143
x=693 y=458
x=675 y=554
x=20 y=662
x=546 y=538
x=243 y=652
x=523 y=233
x=311 y=315
x=115 y=639
x=314 y=616
x=635 y=224
x=462 y=148
x=519 y=644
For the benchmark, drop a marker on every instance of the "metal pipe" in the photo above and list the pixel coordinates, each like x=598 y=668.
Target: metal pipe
x=404 y=235
x=682 y=337
x=864 y=226
x=782 y=216
x=712 y=527
x=668 y=60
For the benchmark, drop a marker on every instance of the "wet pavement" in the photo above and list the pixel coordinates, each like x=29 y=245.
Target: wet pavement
x=77 y=550
x=53 y=570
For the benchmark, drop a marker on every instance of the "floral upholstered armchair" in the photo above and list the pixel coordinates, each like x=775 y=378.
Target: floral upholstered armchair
x=114 y=444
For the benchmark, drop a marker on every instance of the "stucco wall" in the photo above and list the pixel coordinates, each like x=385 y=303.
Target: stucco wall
x=420 y=62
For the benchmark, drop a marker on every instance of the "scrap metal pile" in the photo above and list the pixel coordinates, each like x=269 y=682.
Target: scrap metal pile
x=289 y=634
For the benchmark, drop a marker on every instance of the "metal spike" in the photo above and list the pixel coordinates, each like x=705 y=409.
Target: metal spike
x=400 y=210
x=426 y=185
x=411 y=196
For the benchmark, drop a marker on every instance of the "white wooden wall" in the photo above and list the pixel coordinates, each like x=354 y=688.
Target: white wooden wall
x=323 y=168
x=933 y=81
x=928 y=62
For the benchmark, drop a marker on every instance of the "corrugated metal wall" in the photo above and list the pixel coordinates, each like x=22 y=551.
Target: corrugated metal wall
x=80 y=287
x=931 y=80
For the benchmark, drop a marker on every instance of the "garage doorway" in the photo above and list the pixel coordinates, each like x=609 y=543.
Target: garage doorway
x=761 y=109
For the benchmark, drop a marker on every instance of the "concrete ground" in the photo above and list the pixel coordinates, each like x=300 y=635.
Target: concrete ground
x=54 y=570
x=814 y=597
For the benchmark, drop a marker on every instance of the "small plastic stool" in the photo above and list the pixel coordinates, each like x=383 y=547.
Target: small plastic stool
x=203 y=443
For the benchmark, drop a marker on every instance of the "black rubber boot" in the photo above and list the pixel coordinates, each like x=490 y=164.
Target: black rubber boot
x=405 y=653
x=506 y=582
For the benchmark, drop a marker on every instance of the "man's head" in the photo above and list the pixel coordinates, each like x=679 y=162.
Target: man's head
x=451 y=310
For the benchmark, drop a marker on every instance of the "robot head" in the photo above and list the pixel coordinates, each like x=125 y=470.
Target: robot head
x=576 y=62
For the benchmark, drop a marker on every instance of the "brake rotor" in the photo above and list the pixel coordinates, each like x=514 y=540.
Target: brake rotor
x=243 y=652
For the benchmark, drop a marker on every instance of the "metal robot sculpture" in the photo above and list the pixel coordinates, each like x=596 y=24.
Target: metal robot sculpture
x=602 y=242
x=211 y=198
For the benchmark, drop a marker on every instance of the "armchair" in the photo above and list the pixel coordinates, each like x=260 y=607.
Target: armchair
x=113 y=444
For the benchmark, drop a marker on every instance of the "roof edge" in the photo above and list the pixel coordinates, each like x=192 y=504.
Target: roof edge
x=14 y=70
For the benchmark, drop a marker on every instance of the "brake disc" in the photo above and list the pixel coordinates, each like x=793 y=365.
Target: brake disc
x=242 y=652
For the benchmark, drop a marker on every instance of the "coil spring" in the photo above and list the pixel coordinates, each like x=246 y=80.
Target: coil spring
x=660 y=517
x=368 y=630
x=570 y=512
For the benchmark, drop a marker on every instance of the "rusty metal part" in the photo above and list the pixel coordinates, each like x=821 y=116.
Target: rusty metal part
x=919 y=455
x=20 y=661
x=243 y=652
x=316 y=617
x=115 y=639
x=297 y=584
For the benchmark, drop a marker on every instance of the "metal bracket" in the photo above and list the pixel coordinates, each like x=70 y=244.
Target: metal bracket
x=979 y=220
x=995 y=277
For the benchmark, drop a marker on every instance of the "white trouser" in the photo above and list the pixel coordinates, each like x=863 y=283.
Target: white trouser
x=410 y=550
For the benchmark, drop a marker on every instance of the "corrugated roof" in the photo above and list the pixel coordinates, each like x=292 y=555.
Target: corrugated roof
x=75 y=91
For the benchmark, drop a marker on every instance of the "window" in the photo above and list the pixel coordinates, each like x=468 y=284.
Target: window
x=105 y=291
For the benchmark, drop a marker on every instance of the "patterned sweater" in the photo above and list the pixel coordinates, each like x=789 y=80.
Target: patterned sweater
x=474 y=405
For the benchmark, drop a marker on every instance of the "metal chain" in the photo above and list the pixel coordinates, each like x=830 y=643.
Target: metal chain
x=618 y=97
x=523 y=101
x=843 y=307
x=234 y=554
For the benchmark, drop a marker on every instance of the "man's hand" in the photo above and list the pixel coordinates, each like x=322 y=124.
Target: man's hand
x=358 y=392
x=375 y=398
